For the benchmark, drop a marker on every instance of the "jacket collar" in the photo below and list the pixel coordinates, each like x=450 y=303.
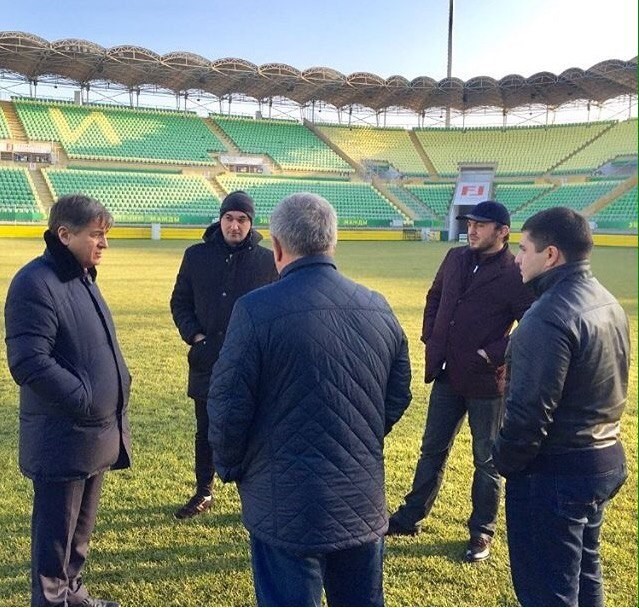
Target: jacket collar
x=489 y=259
x=550 y=278
x=65 y=265
x=309 y=260
x=213 y=234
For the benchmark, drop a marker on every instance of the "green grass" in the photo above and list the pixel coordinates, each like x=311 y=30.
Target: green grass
x=142 y=556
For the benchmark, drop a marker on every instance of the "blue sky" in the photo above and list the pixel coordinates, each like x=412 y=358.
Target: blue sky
x=406 y=37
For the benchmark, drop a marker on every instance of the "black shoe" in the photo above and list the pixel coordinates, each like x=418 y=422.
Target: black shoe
x=196 y=506
x=394 y=529
x=95 y=601
x=478 y=548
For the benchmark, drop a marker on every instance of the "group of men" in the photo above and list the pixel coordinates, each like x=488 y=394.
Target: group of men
x=298 y=374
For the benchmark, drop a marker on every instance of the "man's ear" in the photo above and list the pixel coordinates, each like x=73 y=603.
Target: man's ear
x=277 y=249
x=64 y=235
x=554 y=257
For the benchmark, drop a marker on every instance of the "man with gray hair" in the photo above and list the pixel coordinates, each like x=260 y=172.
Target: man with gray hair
x=314 y=372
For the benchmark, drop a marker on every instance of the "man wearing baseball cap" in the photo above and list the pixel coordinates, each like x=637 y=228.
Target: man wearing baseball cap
x=474 y=300
x=213 y=275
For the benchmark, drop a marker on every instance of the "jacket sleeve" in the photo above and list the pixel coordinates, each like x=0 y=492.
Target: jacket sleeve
x=183 y=303
x=31 y=323
x=432 y=301
x=232 y=395
x=522 y=298
x=540 y=357
x=398 y=395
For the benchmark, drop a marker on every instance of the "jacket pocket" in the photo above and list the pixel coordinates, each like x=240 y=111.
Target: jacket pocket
x=202 y=355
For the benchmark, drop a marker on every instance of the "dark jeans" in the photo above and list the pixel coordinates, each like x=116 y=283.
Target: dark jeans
x=554 y=523
x=203 y=454
x=446 y=412
x=352 y=577
x=61 y=525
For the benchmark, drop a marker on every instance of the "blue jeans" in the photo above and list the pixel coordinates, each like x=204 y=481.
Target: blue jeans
x=446 y=412
x=352 y=577
x=554 y=522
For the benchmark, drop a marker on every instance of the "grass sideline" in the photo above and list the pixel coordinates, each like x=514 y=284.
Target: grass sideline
x=141 y=556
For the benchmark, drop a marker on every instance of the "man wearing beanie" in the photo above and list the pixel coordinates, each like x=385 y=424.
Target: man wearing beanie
x=213 y=275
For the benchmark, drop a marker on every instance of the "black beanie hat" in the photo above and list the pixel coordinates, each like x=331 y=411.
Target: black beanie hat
x=238 y=201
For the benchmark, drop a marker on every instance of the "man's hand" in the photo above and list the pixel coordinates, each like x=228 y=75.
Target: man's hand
x=198 y=338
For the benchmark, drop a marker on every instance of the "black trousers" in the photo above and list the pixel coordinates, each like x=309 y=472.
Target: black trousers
x=62 y=522
x=203 y=454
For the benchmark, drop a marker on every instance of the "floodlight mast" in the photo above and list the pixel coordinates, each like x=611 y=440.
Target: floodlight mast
x=449 y=69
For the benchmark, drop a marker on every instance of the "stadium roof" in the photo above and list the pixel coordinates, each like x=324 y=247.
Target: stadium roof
x=83 y=63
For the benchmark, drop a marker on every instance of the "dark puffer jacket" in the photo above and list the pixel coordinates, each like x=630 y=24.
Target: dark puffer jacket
x=466 y=311
x=210 y=280
x=568 y=364
x=314 y=372
x=74 y=384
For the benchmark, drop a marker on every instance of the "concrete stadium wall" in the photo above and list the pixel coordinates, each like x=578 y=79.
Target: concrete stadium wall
x=195 y=234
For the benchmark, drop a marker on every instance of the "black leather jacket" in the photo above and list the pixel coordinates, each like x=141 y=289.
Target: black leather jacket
x=567 y=372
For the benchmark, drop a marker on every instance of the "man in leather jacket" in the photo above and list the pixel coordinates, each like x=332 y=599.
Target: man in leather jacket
x=213 y=275
x=559 y=448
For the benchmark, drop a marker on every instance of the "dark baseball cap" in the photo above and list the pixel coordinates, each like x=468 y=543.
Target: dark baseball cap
x=488 y=211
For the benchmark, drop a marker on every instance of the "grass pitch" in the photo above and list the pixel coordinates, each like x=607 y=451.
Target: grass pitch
x=141 y=556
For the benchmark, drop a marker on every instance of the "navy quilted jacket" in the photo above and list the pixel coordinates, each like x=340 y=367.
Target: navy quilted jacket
x=63 y=351
x=313 y=373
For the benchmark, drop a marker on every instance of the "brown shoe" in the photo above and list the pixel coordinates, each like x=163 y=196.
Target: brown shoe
x=196 y=506
x=478 y=548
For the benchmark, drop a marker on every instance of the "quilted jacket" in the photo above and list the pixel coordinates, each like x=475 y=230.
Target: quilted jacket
x=211 y=278
x=74 y=384
x=313 y=374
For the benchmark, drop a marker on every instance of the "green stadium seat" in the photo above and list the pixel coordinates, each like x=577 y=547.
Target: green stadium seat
x=99 y=133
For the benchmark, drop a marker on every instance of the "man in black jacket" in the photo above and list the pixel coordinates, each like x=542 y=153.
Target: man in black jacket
x=74 y=389
x=313 y=374
x=559 y=445
x=213 y=275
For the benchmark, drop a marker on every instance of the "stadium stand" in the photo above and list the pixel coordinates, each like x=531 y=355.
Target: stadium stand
x=134 y=196
x=620 y=214
x=576 y=196
x=419 y=209
x=515 y=151
x=355 y=203
x=107 y=133
x=387 y=145
x=291 y=145
x=5 y=132
x=619 y=140
x=514 y=196
x=437 y=197
x=113 y=140
x=18 y=200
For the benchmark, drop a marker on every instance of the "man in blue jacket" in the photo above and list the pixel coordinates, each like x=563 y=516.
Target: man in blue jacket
x=74 y=389
x=313 y=374
x=559 y=446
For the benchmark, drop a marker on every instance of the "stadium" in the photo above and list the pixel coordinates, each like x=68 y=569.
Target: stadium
x=180 y=164
x=161 y=139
